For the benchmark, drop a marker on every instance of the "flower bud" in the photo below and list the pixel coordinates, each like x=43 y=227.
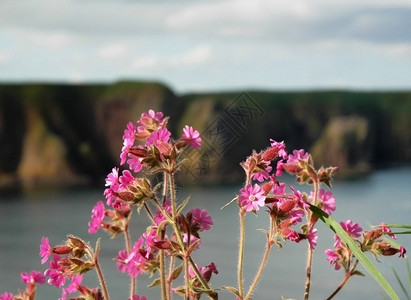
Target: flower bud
x=386 y=249
x=62 y=249
x=138 y=151
x=267 y=187
x=270 y=154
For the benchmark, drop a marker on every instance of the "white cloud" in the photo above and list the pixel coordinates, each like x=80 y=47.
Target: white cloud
x=3 y=58
x=145 y=62
x=113 y=51
x=49 y=38
x=279 y=43
x=198 y=55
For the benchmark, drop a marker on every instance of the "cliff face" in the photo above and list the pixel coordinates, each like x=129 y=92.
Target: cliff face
x=60 y=134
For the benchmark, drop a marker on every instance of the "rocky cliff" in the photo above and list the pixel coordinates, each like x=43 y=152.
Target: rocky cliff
x=69 y=134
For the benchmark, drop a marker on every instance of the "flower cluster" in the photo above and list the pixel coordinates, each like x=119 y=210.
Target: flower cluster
x=31 y=280
x=148 y=147
x=369 y=241
x=291 y=211
x=286 y=209
x=173 y=234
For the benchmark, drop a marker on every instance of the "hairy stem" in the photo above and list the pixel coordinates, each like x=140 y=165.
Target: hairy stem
x=344 y=281
x=310 y=250
x=163 y=276
x=100 y=273
x=264 y=260
x=169 y=280
x=128 y=249
x=340 y=286
x=187 y=259
x=308 y=273
x=186 y=279
x=240 y=278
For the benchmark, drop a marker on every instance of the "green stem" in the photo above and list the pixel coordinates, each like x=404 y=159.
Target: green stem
x=264 y=260
x=169 y=280
x=241 y=254
x=190 y=261
x=163 y=276
x=148 y=211
x=344 y=281
x=133 y=279
x=198 y=274
x=99 y=272
x=308 y=273
x=186 y=279
x=310 y=250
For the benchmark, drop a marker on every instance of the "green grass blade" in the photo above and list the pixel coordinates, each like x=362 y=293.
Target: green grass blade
x=408 y=271
x=397 y=277
x=407 y=226
x=368 y=265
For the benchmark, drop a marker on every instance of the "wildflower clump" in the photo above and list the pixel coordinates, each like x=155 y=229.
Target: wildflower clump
x=173 y=233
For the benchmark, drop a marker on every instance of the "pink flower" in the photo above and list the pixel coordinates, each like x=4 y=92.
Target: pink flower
x=55 y=273
x=387 y=230
x=97 y=216
x=136 y=261
x=206 y=271
x=202 y=217
x=279 y=188
x=112 y=178
x=280 y=146
x=6 y=296
x=402 y=251
x=136 y=297
x=192 y=240
x=292 y=235
x=333 y=258
x=263 y=174
x=130 y=132
x=121 y=258
x=110 y=196
x=75 y=283
x=159 y=217
x=126 y=179
x=293 y=164
x=33 y=277
x=158 y=137
x=297 y=156
x=127 y=144
x=327 y=200
x=150 y=121
x=151 y=238
x=134 y=163
x=252 y=198
x=312 y=238
x=45 y=249
x=353 y=229
x=191 y=136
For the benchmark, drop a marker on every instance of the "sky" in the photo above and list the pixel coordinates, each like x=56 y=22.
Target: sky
x=195 y=45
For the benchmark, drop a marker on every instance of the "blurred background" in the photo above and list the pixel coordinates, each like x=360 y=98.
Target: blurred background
x=333 y=78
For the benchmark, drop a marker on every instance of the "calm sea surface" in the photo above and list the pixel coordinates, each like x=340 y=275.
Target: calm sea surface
x=383 y=196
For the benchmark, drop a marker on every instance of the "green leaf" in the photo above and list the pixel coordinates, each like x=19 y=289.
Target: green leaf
x=231 y=290
x=368 y=265
x=156 y=282
x=176 y=272
x=182 y=205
